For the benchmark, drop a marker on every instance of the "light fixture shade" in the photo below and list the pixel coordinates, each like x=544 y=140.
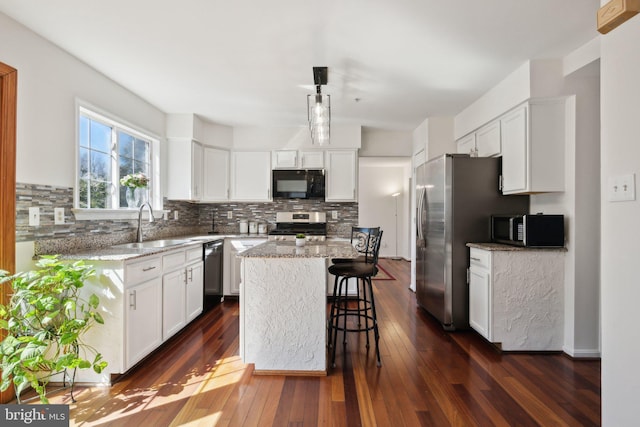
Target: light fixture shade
x=319 y=113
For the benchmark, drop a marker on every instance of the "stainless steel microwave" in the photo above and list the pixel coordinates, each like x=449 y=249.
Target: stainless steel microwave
x=535 y=231
x=298 y=184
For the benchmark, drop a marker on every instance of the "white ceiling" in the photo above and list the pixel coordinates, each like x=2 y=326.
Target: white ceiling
x=249 y=62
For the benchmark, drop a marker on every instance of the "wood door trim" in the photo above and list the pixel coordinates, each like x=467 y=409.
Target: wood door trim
x=8 y=102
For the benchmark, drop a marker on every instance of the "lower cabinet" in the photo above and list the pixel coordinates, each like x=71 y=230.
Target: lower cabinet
x=182 y=289
x=231 y=276
x=194 y=290
x=479 y=301
x=173 y=303
x=516 y=297
x=143 y=304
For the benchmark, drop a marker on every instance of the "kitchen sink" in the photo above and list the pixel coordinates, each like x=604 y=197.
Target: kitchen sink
x=152 y=244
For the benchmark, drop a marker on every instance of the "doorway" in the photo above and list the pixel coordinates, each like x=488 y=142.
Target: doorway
x=8 y=97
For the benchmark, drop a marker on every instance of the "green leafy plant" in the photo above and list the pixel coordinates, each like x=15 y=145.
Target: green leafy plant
x=44 y=322
x=300 y=236
x=135 y=180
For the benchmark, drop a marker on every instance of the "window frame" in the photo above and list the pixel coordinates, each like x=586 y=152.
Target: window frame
x=155 y=191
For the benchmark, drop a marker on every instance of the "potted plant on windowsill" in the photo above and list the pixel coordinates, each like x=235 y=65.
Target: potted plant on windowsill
x=44 y=322
x=300 y=239
x=136 y=184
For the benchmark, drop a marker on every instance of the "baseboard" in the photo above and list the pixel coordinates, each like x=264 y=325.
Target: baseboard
x=582 y=353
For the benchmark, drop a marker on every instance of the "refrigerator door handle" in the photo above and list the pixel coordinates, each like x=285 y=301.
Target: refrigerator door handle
x=421 y=204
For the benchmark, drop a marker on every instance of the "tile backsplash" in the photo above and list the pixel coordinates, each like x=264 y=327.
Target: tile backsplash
x=193 y=218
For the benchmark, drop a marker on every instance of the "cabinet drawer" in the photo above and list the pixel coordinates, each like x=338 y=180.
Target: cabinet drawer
x=480 y=258
x=143 y=270
x=172 y=261
x=194 y=254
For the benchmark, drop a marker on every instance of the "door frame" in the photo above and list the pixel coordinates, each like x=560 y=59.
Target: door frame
x=8 y=107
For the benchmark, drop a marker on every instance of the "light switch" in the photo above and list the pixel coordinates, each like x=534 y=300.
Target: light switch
x=34 y=216
x=175 y=214
x=622 y=188
x=58 y=215
x=229 y=214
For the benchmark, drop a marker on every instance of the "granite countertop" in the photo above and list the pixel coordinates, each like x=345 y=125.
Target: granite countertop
x=503 y=247
x=285 y=249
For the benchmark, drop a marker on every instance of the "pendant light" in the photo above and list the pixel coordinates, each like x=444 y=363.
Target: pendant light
x=319 y=109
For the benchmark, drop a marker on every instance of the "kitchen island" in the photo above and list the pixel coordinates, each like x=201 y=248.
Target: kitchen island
x=283 y=305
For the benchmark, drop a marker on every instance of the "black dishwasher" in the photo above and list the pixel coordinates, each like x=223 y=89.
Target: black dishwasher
x=212 y=256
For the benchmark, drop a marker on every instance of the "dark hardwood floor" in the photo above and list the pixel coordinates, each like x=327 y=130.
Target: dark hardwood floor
x=428 y=378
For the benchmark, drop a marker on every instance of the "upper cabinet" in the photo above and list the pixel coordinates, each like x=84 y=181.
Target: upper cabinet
x=341 y=176
x=215 y=175
x=485 y=142
x=293 y=159
x=251 y=175
x=184 y=170
x=467 y=144
x=533 y=141
x=488 y=140
x=284 y=159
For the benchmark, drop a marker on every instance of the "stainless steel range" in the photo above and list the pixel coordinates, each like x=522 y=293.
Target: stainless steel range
x=288 y=224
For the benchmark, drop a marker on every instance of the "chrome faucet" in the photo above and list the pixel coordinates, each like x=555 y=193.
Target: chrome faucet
x=151 y=218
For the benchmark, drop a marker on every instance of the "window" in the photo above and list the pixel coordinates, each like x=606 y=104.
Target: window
x=108 y=151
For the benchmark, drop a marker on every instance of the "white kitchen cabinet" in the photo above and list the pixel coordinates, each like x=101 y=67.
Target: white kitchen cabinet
x=479 y=289
x=182 y=289
x=195 y=290
x=341 y=175
x=485 y=142
x=173 y=303
x=284 y=159
x=184 y=169
x=215 y=175
x=293 y=159
x=143 y=309
x=488 y=142
x=516 y=296
x=231 y=274
x=251 y=176
x=312 y=159
x=467 y=144
x=533 y=141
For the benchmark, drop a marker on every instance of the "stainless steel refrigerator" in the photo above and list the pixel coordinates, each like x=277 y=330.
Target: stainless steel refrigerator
x=455 y=198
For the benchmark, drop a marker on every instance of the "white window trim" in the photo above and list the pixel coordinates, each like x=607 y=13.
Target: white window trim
x=87 y=214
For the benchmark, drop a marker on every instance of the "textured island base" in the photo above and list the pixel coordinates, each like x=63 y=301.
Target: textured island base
x=283 y=315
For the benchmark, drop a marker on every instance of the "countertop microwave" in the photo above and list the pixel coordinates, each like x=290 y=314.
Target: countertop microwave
x=298 y=184
x=535 y=231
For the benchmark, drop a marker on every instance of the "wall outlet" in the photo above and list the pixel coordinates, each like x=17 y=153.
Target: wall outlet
x=58 y=215
x=229 y=214
x=175 y=215
x=622 y=188
x=165 y=216
x=334 y=214
x=34 y=216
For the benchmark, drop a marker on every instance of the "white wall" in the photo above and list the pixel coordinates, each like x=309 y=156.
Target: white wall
x=49 y=80
x=533 y=79
x=620 y=150
x=580 y=203
x=377 y=142
x=281 y=138
x=379 y=178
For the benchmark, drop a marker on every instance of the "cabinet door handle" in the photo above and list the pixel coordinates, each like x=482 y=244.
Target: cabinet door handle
x=475 y=259
x=132 y=299
x=149 y=268
x=191 y=274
